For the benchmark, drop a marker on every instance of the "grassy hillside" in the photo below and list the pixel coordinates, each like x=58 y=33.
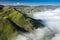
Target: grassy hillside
x=13 y=21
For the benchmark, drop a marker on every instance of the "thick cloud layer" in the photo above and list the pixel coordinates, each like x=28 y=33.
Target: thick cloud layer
x=51 y=31
x=52 y=22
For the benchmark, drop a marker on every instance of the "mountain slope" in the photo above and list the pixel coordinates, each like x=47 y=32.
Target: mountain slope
x=13 y=21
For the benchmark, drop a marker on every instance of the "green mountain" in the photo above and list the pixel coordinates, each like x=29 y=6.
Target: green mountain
x=13 y=21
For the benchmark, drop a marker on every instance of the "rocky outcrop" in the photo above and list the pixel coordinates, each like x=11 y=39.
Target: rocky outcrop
x=13 y=21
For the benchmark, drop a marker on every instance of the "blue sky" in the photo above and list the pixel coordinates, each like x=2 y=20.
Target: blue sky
x=30 y=2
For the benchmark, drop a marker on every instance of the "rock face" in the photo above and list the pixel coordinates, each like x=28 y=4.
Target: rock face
x=13 y=21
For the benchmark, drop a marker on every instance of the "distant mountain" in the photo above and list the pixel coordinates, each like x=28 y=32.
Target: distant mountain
x=49 y=6
x=31 y=9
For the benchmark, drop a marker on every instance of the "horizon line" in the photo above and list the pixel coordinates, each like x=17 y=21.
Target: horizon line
x=30 y=4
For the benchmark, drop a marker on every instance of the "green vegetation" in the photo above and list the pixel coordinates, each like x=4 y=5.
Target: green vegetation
x=6 y=28
x=13 y=21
